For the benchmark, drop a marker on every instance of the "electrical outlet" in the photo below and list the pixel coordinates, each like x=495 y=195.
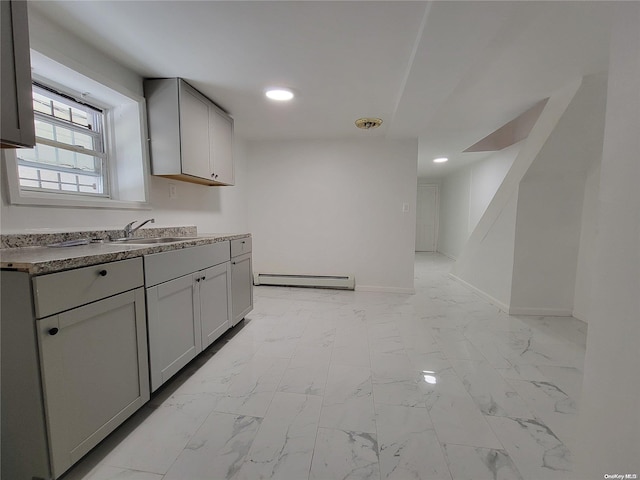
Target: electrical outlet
x=173 y=193
x=405 y=208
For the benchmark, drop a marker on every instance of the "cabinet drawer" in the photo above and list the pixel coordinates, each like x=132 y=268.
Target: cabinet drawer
x=61 y=291
x=240 y=246
x=165 y=266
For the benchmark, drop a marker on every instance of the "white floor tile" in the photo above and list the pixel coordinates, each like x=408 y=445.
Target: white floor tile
x=114 y=473
x=348 y=400
x=217 y=450
x=251 y=391
x=492 y=394
x=345 y=455
x=409 y=447
x=474 y=463
x=307 y=371
x=534 y=448
x=284 y=445
x=155 y=444
x=456 y=417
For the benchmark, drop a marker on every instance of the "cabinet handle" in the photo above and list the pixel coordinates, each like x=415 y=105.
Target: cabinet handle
x=233 y=263
x=198 y=279
x=53 y=331
x=102 y=273
x=204 y=278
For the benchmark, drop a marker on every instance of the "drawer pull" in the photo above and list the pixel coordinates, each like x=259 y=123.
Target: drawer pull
x=53 y=331
x=102 y=273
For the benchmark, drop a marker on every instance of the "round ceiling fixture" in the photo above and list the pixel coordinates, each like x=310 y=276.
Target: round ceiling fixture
x=440 y=160
x=279 y=94
x=368 y=123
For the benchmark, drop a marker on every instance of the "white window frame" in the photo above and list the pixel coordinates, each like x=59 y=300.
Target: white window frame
x=96 y=130
x=125 y=141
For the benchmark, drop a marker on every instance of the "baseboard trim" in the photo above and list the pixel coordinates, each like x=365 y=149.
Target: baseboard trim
x=374 y=288
x=447 y=255
x=494 y=301
x=541 y=312
x=582 y=316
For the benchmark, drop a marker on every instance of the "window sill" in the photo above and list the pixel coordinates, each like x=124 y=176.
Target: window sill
x=53 y=200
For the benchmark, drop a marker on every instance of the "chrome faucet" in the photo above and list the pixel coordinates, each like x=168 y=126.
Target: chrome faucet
x=129 y=231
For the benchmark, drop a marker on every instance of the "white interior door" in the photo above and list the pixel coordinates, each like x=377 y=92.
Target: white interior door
x=427 y=218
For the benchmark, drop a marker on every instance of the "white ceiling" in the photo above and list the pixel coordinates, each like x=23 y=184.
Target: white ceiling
x=447 y=73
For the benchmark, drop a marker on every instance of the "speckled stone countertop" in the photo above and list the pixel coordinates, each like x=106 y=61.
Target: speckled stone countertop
x=30 y=253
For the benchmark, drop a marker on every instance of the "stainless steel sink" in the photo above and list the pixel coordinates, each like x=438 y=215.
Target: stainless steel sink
x=152 y=240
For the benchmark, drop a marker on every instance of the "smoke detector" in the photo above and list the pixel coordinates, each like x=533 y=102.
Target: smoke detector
x=368 y=123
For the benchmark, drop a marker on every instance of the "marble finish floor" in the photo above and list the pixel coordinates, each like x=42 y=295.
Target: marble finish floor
x=326 y=385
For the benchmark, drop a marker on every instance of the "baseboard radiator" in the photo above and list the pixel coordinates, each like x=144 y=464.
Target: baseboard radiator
x=342 y=282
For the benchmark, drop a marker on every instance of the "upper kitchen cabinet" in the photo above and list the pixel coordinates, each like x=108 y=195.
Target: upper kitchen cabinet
x=191 y=138
x=17 y=127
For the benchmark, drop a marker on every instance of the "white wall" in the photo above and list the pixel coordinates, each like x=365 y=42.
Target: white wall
x=489 y=267
x=550 y=206
x=466 y=193
x=609 y=438
x=546 y=249
x=453 y=228
x=48 y=39
x=211 y=209
x=335 y=207
x=486 y=177
x=587 y=249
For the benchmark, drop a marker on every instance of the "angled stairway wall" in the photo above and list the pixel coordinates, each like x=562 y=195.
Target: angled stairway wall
x=525 y=245
x=550 y=202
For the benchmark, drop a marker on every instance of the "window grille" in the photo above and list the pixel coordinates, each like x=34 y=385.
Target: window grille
x=69 y=156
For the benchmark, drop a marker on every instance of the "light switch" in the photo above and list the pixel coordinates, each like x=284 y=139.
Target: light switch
x=405 y=208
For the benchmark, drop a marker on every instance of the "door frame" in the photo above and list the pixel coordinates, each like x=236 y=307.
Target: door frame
x=436 y=220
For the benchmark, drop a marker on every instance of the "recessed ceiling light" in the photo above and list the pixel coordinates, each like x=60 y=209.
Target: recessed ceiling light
x=279 y=94
x=440 y=160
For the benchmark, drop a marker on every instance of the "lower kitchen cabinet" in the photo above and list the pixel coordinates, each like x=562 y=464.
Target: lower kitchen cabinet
x=89 y=384
x=215 y=308
x=241 y=279
x=74 y=363
x=241 y=286
x=188 y=313
x=174 y=333
x=81 y=349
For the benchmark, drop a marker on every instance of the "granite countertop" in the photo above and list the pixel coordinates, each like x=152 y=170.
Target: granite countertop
x=29 y=252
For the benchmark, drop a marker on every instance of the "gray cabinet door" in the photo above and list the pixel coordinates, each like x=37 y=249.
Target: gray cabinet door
x=241 y=286
x=221 y=135
x=174 y=327
x=95 y=372
x=17 y=127
x=215 y=311
x=194 y=133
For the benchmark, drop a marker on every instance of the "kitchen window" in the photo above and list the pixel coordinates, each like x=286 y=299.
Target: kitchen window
x=91 y=141
x=69 y=156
